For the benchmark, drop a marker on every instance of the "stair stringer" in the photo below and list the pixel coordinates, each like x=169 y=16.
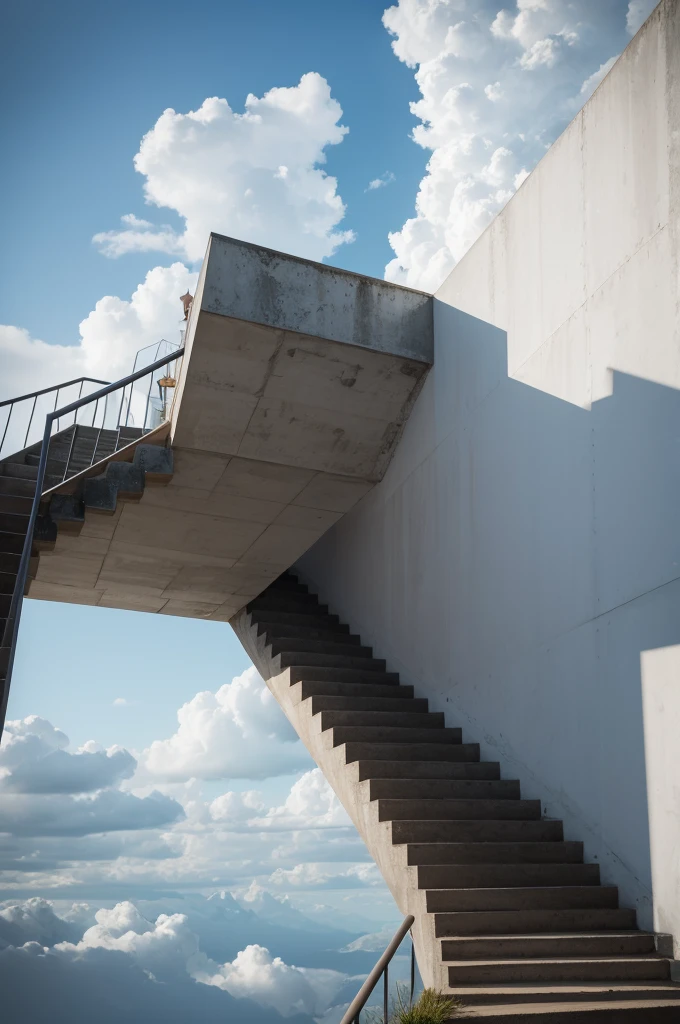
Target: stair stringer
x=354 y=795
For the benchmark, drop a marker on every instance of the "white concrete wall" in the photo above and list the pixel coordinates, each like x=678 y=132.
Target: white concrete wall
x=521 y=556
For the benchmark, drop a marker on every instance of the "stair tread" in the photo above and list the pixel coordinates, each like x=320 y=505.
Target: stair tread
x=542 y=988
x=521 y=962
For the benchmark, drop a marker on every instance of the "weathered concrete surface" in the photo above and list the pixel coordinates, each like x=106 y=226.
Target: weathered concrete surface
x=275 y=435
x=299 y=364
x=250 y=282
x=202 y=545
x=354 y=795
x=520 y=559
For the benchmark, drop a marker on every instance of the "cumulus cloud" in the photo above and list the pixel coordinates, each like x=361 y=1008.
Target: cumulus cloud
x=311 y=803
x=167 y=946
x=237 y=732
x=33 y=759
x=35 y=920
x=638 y=12
x=109 y=338
x=497 y=87
x=385 y=179
x=255 y=175
x=256 y=974
x=318 y=876
x=106 y=811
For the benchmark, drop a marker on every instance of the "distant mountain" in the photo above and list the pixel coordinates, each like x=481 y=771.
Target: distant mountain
x=225 y=926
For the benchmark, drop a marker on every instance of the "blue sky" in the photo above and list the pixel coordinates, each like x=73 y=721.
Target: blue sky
x=88 y=80
x=146 y=765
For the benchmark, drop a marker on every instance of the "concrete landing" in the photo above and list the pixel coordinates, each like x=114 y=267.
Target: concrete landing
x=294 y=389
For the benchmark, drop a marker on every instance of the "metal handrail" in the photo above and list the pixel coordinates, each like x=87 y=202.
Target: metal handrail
x=9 y=637
x=354 y=1009
x=54 y=387
x=35 y=395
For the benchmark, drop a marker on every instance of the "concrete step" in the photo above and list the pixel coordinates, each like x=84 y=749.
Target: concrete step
x=12 y=543
x=390 y=735
x=566 y=897
x=282 y=601
x=443 y=789
x=630 y=1011
x=536 y=852
x=417 y=770
x=266 y=619
x=10 y=522
x=16 y=503
x=20 y=471
x=287 y=659
x=7 y=582
x=17 y=485
x=340 y=675
x=516 y=947
x=587 y=991
x=357 y=705
x=528 y=922
x=350 y=691
x=288 y=583
x=9 y=562
x=406 y=719
x=364 y=751
x=289 y=644
x=497 y=876
x=420 y=831
x=278 y=630
x=446 y=809
x=497 y=972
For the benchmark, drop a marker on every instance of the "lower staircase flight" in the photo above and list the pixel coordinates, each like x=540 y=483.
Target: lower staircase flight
x=508 y=917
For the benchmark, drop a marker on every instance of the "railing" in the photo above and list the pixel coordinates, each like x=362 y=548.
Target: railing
x=11 y=404
x=381 y=969
x=11 y=629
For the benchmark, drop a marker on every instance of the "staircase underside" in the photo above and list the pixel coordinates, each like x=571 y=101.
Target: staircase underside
x=296 y=382
x=508 y=917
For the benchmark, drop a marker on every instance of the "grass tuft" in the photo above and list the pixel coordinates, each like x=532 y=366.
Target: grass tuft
x=431 y=1007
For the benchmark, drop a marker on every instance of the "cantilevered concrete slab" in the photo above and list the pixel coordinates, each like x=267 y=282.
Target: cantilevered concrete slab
x=295 y=386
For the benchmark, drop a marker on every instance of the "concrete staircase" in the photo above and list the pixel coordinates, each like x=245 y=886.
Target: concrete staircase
x=508 y=917
x=68 y=456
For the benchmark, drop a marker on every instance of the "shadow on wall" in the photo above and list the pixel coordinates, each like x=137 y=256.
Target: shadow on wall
x=516 y=560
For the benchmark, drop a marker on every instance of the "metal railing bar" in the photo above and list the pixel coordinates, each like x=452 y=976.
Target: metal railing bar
x=364 y=993
x=99 y=434
x=6 y=426
x=30 y=420
x=71 y=447
x=55 y=387
x=9 y=636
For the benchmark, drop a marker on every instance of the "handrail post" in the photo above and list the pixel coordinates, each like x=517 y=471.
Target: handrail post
x=9 y=634
x=354 y=1009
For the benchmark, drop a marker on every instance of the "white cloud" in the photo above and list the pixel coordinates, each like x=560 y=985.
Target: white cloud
x=497 y=87
x=255 y=175
x=385 y=179
x=110 y=336
x=33 y=759
x=591 y=83
x=317 y=876
x=237 y=732
x=638 y=12
x=256 y=974
x=108 y=810
x=311 y=803
x=167 y=947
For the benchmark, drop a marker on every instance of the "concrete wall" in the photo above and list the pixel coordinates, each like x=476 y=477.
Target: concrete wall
x=250 y=282
x=521 y=557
